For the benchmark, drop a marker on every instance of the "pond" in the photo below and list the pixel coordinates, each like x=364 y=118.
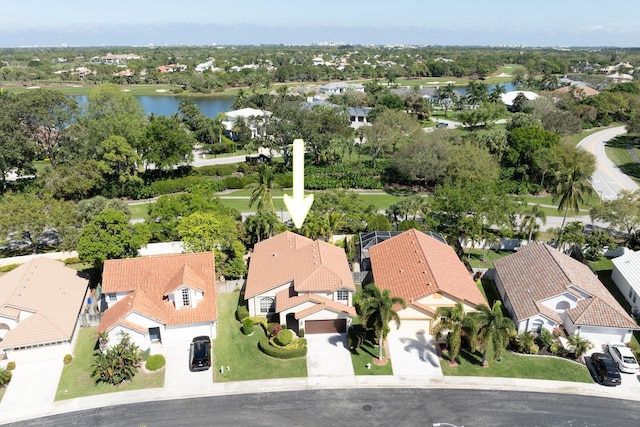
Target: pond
x=167 y=105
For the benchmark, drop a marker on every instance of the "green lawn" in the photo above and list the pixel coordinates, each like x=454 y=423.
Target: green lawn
x=548 y=200
x=616 y=150
x=515 y=365
x=139 y=210
x=76 y=380
x=232 y=348
x=476 y=257
x=365 y=354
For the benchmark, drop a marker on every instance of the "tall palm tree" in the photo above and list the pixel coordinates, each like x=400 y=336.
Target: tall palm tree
x=571 y=191
x=450 y=320
x=530 y=219
x=262 y=189
x=446 y=96
x=496 y=91
x=376 y=310
x=495 y=329
x=581 y=345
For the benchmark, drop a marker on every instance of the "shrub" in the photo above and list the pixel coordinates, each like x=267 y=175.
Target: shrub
x=242 y=312
x=11 y=366
x=297 y=348
x=155 y=362
x=67 y=359
x=301 y=333
x=556 y=349
x=217 y=170
x=72 y=260
x=8 y=267
x=545 y=338
x=262 y=321
x=284 y=337
x=5 y=377
x=273 y=329
x=247 y=326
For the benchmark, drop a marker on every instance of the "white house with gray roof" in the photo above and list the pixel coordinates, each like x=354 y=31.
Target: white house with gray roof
x=626 y=275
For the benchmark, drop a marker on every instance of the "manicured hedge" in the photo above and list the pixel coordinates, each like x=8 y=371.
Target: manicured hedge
x=242 y=313
x=247 y=326
x=297 y=348
x=67 y=359
x=284 y=337
x=155 y=362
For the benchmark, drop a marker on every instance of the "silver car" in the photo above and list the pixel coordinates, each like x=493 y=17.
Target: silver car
x=623 y=357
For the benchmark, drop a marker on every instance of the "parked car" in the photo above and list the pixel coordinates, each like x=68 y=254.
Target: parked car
x=623 y=357
x=606 y=369
x=200 y=354
x=441 y=125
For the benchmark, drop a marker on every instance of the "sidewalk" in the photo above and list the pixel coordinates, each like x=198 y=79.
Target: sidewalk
x=320 y=383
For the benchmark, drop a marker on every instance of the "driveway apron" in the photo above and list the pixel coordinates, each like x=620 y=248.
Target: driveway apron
x=177 y=375
x=328 y=356
x=413 y=353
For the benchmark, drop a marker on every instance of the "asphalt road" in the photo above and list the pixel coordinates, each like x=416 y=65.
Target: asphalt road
x=364 y=407
x=608 y=179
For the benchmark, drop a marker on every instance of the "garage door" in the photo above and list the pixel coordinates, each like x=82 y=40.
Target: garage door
x=325 y=326
x=413 y=327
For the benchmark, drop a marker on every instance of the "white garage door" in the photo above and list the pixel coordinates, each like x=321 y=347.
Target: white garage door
x=413 y=327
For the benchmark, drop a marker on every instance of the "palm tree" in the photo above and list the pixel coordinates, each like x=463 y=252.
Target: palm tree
x=496 y=91
x=446 y=96
x=530 y=220
x=451 y=319
x=495 y=329
x=581 y=345
x=571 y=191
x=262 y=189
x=376 y=311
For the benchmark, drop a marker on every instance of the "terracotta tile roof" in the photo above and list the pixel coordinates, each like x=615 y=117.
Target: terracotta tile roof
x=149 y=279
x=313 y=266
x=538 y=272
x=413 y=265
x=285 y=300
x=52 y=292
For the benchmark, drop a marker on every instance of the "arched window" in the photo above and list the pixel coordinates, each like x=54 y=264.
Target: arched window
x=267 y=305
x=562 y=306
x=536 y=326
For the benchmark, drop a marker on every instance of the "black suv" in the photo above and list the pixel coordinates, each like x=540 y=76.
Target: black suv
x=200 y=354
x=606 y=369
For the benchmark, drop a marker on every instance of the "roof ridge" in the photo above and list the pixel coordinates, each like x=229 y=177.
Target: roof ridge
x=557 y=262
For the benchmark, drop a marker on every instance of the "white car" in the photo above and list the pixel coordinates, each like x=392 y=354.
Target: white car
x=623 y=357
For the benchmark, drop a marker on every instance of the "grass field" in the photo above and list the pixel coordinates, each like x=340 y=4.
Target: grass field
x=616 y=150
x=76 y=380
x=232 y=348
x=365 y=354
x=515 y=365
x=476 y=257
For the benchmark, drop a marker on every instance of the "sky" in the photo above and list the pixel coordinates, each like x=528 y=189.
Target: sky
x=380 y=22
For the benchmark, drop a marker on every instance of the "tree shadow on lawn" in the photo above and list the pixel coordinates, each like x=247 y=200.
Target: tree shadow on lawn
x=365 y=349
x=466 y=356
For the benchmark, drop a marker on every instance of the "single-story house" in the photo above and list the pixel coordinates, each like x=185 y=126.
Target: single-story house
x=358 y=116
x=426 y=273
x=162 y=299
x=340 y=87
x=626 y=275
x=40 y=304
x=304 y=283
x=544 y=288
x=508 y=98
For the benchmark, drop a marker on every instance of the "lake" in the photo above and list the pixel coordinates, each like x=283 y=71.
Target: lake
x=167 y=105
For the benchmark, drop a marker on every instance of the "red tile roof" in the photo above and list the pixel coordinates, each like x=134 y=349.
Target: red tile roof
x=149 y=279
x=285 y=300
x=413 y=265
x=538 y=272
x=312 y=265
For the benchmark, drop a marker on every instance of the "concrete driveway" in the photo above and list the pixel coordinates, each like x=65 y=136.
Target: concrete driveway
x=413 y=351
x=35 y=380
x=328 y=356
x=177 y=375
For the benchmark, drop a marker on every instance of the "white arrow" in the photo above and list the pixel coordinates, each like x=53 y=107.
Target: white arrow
x=298 y=205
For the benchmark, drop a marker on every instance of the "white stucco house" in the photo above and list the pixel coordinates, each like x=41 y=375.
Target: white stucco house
x=252 y=117
x=304 y=283
x=40 y=304
x=544 y=288
x=508 y=98
x=159 y=299
x=340 y=87
x=626 y=275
